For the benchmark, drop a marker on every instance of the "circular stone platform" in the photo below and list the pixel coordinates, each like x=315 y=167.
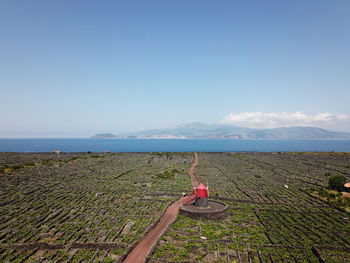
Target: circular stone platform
x=214 y=209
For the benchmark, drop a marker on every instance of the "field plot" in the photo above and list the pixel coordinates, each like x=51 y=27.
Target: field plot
x=87 y=208
x=271 y=217
x=95 y=207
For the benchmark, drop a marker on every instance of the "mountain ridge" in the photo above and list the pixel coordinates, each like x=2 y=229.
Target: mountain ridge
x=219 y=131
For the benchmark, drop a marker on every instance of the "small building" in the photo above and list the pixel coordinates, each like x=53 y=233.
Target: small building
x=201 y=191
x=57 y=152
x=201 y=196
x=200 y=207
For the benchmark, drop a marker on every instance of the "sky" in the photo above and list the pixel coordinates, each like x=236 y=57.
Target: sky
x=77 y=68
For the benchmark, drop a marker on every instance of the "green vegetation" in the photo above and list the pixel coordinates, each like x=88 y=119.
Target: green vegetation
x=169 y=173
x=336 y=182
x=89 y=200
x=11 y=168
x=266 y=221
x=7 y=169
x=172 y=153
x=28 y=164
x=332 y=196
x=75 y=198
x=95 y=156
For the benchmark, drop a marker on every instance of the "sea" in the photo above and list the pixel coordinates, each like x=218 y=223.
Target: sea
x=172 y=145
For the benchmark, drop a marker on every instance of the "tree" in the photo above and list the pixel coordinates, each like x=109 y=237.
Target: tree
x=337 y=182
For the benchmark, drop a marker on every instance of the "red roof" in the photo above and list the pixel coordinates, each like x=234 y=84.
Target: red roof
x=201 y=186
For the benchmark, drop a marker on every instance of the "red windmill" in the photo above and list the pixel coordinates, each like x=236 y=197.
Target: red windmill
x=201 y=192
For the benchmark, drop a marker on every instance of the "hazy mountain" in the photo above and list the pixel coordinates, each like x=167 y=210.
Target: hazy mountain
x=104 y=136
x=210 y=131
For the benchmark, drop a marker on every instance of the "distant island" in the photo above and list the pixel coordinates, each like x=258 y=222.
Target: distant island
x=218 y=131
x=104 y=136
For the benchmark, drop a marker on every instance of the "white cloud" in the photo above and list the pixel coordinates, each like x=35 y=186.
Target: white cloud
x=274 y=120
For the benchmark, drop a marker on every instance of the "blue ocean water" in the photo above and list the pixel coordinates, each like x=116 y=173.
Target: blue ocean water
x=170 y=145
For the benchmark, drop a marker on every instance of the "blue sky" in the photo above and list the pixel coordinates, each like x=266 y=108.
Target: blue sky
x=75 y=68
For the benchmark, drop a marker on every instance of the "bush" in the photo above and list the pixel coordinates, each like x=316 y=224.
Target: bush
x=322 y=192
x=168 y=173
x=337 y=182
x=16 y=167
x=333 y=195
x=8 y=170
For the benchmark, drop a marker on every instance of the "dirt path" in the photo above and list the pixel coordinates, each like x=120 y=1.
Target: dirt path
x=346 y=194
x=191 y=173
x=146 y=245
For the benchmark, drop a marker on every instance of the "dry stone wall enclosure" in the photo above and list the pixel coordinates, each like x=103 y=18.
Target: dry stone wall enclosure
x=96 y=207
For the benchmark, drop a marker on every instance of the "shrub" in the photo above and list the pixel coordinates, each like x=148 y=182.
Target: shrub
x=322 y=192
x=8 y=170
x=16 y=167
x=168 y=173
x=333 y=195
x=337 y=182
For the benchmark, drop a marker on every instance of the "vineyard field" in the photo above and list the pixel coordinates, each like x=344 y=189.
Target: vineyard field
x=81 y=207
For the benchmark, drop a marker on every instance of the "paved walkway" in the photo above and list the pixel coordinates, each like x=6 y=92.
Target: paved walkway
x=146 y=245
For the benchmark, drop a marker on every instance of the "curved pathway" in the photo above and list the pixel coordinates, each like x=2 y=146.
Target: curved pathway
x=194 y=179
x=148 y=242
